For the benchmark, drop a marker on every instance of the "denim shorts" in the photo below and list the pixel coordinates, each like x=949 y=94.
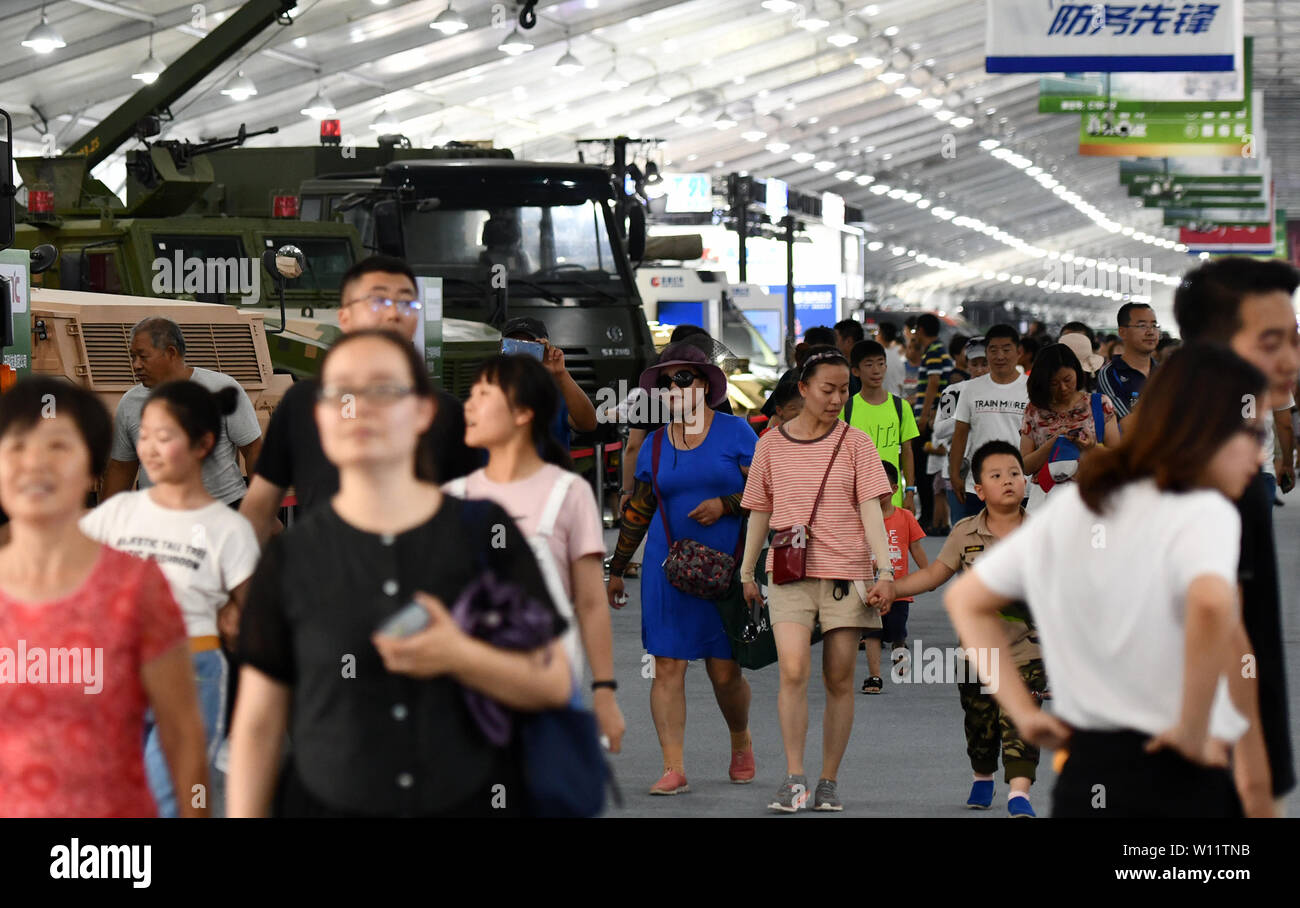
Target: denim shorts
x=210 y=670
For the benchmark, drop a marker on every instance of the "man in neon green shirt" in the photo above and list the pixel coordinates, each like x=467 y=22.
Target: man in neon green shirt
x=888 y=420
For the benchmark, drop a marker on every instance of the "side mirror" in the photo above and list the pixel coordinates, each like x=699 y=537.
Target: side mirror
x=284 y=264
x=43 y=257
x=388 y=229
x=636 y=234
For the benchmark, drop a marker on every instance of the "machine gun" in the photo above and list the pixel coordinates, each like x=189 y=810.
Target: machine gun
x=143 y=164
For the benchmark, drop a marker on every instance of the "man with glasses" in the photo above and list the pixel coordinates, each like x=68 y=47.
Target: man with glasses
x=1122 y=378
x=377 y=292
x=157 y=357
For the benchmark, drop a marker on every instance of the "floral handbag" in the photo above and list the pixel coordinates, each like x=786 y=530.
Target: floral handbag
x=693 y=567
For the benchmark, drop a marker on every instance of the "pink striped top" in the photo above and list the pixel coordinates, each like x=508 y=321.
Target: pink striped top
x=783 y=481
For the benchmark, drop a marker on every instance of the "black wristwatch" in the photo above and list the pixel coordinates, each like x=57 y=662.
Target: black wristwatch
x=597 y=685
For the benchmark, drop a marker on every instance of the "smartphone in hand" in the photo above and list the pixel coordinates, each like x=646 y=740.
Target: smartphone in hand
x=510 y=346
x=411 y=619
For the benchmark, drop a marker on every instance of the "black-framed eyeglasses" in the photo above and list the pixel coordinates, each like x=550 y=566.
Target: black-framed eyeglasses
x=382 y=303
x=683 y=378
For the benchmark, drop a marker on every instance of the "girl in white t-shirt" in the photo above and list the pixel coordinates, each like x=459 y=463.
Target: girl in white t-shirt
x=1131 y=576
x=509 y=412
x=206 y=551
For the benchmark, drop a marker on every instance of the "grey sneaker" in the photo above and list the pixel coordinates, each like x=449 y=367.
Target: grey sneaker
x=824 y=798
x=792 y=795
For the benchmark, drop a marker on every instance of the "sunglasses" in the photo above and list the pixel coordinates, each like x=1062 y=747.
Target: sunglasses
x=682 y=379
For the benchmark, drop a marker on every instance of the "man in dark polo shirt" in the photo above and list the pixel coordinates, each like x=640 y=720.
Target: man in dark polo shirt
x=1122 y=378
x=1247 y=305
x=377 y=292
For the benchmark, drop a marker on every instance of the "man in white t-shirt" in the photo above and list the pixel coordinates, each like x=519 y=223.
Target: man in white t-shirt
x=991 y=408
x=158 y=356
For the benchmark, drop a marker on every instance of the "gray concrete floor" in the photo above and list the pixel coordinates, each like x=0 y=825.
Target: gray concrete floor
x=907 y=756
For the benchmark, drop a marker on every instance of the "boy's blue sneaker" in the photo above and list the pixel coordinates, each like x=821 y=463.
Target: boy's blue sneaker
x=981 y=795
x=1020 y=807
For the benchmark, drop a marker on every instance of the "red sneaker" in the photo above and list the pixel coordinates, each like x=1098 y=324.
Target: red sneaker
x=672 y=782
x=742 y=766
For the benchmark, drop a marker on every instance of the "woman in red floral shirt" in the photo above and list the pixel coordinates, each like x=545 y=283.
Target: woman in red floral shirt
x=1059 y=409
x=89 y=637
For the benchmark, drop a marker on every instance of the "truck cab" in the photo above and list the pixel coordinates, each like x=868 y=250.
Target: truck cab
x=508 y=238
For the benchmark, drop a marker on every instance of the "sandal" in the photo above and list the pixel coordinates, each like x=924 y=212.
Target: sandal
x=873 y=685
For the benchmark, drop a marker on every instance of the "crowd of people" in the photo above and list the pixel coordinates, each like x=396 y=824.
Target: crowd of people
x=444 y=576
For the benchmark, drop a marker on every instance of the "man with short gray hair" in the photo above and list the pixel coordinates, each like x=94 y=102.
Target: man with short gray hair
x=157 y=357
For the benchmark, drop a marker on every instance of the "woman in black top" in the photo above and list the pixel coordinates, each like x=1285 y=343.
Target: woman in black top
x=379 y=725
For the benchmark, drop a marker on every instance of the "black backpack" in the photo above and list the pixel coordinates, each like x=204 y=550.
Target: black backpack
x=898 y=409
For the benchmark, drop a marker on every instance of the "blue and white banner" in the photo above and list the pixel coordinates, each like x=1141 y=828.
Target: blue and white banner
x=1037 y=36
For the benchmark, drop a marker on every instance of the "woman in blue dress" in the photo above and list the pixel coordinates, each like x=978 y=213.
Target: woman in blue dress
x=703 y=458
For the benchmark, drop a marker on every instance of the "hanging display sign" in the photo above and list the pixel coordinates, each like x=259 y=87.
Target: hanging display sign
x=1173 y=93
x=1228 y=239
x=1045 y=36
x=1223 y=133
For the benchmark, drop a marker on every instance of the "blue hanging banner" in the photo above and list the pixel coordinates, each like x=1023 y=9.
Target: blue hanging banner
x=1038 y=36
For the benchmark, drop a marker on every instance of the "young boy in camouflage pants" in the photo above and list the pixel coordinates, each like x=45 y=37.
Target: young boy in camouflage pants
x=1000 y=484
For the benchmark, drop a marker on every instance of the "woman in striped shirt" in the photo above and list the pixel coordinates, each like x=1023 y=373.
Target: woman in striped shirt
x=812 y=451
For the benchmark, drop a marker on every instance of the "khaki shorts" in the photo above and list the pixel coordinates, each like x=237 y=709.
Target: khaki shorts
x=805 y=601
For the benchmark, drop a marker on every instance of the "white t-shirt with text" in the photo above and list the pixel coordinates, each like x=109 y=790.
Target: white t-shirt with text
x=994 y=412
x=204 y=553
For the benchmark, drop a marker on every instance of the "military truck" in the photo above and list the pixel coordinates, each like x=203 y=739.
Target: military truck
x=85 y=337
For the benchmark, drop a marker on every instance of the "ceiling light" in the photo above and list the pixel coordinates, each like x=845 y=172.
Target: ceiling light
x=240 y=88
x=568 y=64
x=449 y=22
x=613 y=81
x=922 y=204
x=515 y=44
x=319 y=107
x=802 y=157
x=779 y=6
x=385 y=123
x=753 y=135
x=688 y=117
x=930 y=103
x=43 y=38
x=875 y=246
x=656 y=95
x=879 y=189
x=812 y=21
x=824 y=166
x=989 y=144
x=778 y=147
x=845 y=175
x=962 y=122
x=891 y=78
x=896 y=193
x=724 y=121
x=149 y=71
x=897 y=250
x=907 y=91
x=944 y=116
x=891 y=31
x=869 y=62
x=865 y=179
x=871 y=10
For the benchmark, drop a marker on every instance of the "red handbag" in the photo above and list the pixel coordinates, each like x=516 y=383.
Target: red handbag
x=693 y=567
x=790 y=547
